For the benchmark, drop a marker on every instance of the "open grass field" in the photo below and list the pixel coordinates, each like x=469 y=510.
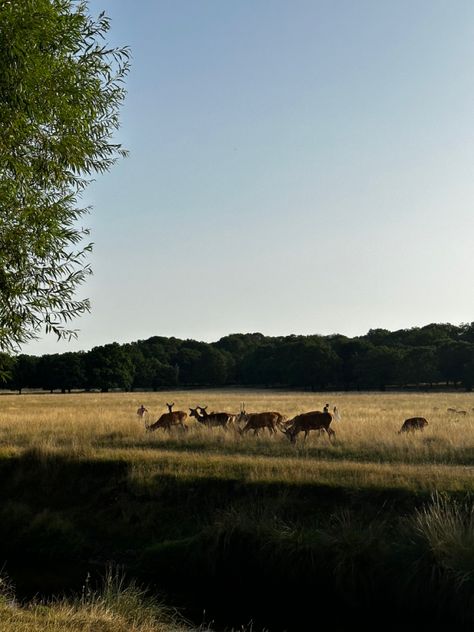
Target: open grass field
x=367 y=451
x=372 y=517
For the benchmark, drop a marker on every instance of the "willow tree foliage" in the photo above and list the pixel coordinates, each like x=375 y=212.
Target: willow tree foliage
x=61 y=88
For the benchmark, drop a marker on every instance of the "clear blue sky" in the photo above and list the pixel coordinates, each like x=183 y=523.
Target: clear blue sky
x=296 y=166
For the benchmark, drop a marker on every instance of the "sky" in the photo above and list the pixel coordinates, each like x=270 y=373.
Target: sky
x=296 y=167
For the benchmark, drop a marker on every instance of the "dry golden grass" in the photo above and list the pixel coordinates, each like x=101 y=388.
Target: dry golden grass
x=63 y=617
x=368 y=449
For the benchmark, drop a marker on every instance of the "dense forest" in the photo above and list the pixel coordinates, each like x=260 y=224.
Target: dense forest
x=420 y=357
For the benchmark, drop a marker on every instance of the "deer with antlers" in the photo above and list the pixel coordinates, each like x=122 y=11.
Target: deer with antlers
x=211 y=420
x=314 y=420
x=259 y=421
x=169 y=419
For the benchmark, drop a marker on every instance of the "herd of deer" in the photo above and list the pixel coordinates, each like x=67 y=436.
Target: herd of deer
x=243 y=422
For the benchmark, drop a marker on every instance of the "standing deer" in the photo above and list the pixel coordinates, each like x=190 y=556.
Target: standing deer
x=257 y=421
x=176 y=418
x=412 y=424
x=314 y=420
x=141 y=411
x=212 y=420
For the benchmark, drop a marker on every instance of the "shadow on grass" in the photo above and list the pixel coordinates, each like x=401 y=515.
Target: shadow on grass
x=271 y=552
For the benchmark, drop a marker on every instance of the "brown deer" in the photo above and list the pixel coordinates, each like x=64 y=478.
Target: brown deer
x=257 y=421
x=216 y=419
x=176 y=418
x=142 y=410
x=314 y=420
x=212 y=420
x=412 y=424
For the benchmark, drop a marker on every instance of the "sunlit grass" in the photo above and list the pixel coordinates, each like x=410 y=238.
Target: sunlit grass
x=117 y=606
x=368 y=449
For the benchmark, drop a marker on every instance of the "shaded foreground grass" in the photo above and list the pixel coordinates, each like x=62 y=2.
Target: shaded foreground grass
x=118 y=606
x=223 y=540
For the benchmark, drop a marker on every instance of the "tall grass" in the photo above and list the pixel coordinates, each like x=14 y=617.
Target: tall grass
x=369 y=424
x=101 y=425
x=117 y=606
x=446 y=526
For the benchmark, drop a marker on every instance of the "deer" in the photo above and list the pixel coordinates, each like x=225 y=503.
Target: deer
x=412 y=424
x=141 y=411
x=257 y=421
x=212 y=420
x=305 y=422
x=171 y=418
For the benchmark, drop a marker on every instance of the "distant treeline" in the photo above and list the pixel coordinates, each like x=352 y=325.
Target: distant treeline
x=417 y=357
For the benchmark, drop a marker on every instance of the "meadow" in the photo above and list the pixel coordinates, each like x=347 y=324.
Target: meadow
x=82 y=479
x=367 y=445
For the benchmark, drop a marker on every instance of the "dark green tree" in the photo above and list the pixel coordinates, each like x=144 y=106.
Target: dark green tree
x=456 y=363
x=153 y=374
x=211 y=369
x=7 y=369
x=190 y=360
x=313 y=364
x=108 y=367
x=466 y=332
x=61 y=88
x=351 y=352
x=25 y=373
x=380 y=367
x=62 y=371
x=420 y=366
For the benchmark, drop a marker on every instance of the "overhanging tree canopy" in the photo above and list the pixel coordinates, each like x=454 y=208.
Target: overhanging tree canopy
x=61 y=88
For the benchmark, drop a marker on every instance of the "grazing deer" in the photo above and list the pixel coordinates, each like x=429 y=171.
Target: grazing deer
x=412 y=424
x=212 y=420
x=314 y=420
x=257 y=421
x=176 y=418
